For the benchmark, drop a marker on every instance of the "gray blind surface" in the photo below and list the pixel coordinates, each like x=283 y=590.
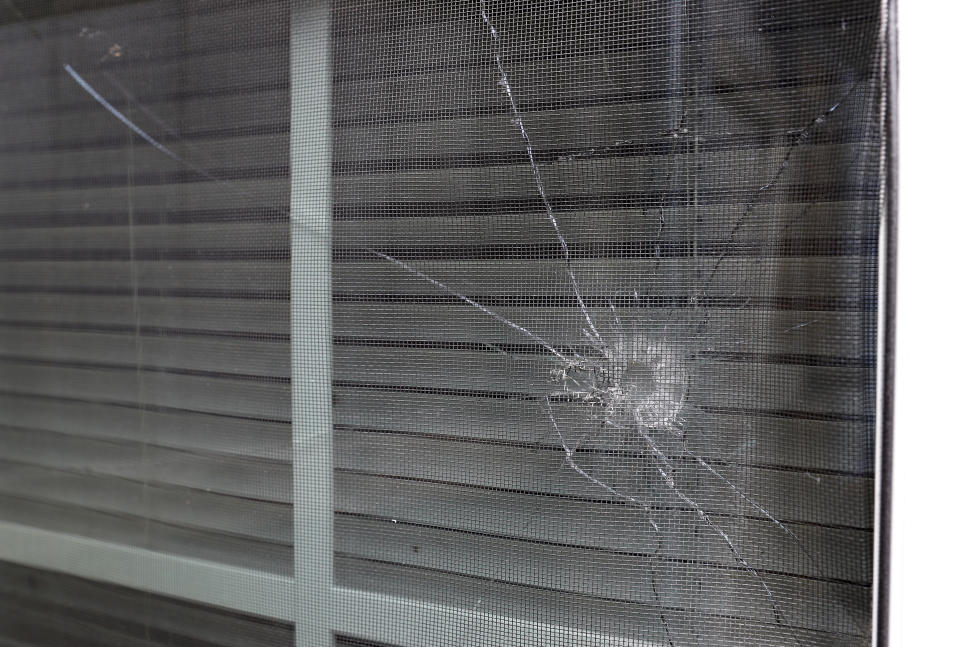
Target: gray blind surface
x=44 y=608
x=604 y=292
x=604 y=296
x=144 y=278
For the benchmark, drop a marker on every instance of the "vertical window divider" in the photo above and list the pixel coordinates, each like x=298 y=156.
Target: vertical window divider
x=310 y=316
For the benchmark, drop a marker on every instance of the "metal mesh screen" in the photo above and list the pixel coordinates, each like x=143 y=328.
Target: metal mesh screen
x=581 y=347
x=604 y=287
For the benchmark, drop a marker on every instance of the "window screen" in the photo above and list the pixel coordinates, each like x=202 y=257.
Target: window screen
x=426 y=323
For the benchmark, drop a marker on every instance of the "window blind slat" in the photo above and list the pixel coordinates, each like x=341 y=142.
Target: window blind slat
x=196 y=507
x=204 y=394
x=187 y=430
x=573 y=522
x=719 y=434
x=201 y=313
x=799 y=498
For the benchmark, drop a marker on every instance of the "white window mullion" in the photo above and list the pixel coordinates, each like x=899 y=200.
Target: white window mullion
x=310 y=316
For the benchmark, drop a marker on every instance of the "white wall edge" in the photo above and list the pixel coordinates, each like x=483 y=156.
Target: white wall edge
x=924 y=569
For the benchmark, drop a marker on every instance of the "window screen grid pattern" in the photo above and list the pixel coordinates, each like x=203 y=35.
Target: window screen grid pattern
x=603 y=314
x=604 y=301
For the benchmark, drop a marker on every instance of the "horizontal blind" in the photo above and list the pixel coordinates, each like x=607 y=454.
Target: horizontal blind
x=144 y=309
x=604 y=311
x=604 y=302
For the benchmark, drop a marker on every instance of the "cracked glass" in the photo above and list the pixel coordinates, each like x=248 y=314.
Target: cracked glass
x=414 y=323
